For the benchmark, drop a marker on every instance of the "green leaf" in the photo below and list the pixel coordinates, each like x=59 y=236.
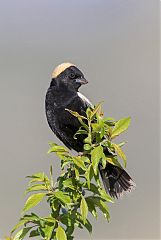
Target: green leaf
x=50 y=219
x=57 y=148
x=22 y=233
x=54 y=204
x=87 y=224
x=70 y=183
x=120 y=153
x=96 y=109
x=120 y=126
x=51 y=176
x=113 y=161
x=97 y=179
x=62 y=197
x=79 y=162
x=121 y=144
x=96 y=127
x=102 y=206
x=105 y=196
x=108 y=119
x=89 y=175
x=39 y=177
x=76 y=173
x=66 y=218
x=88 y=139
x=69 y=232
x=48 y=230
x=80 y=132
x=88 y=113
x=84 y=209
x=87 y=147
x=37 y=187
x=91 y=207
x=60 y=234
x=85 y=159
x=102 y=129
x=22 y=222
x=34 y=233
x=85 y=126
x=30 y=217
x=33 y=200
x=96 y=155
x=75 y=114
x=93 y=188
x=104 y=162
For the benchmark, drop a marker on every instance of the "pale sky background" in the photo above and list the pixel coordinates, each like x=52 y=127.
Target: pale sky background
x=116 y=44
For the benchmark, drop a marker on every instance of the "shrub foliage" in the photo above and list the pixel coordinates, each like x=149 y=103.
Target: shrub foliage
x=78 y=190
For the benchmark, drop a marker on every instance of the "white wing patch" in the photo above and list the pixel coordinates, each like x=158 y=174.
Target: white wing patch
x=85 y=99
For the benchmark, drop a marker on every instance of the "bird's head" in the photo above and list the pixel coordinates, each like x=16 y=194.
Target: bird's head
x=68 y=74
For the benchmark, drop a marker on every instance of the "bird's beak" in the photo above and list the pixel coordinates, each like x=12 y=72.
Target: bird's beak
x=81 y=81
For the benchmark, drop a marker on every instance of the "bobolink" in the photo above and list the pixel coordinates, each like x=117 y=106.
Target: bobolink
x=63 y=93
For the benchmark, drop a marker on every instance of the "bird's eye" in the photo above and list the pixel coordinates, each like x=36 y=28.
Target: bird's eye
x=72 y=75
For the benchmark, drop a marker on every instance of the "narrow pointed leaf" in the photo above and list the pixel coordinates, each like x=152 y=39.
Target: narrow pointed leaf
x=120 y=153
x=96 y=109
x=38 y=176
x=104 y=162
x=96 y=155
x=102 y=206
x=80 y=132
x=60 y=234
x=70 y=183
x=33 y=200
x=88 y=113
x=105 y=196
x=34 y=233
x=57 y=148
x=76 y=173
x=30 y=217
x=22 y=222
x=79 y=162
x=36 y=187
x=84 y=209
x=22 y=233
x=62 y=197
x=89 y=175
x=87 y=224
x=91 y=207
x=113 y=161
x=51 y=176
x=48 y=231
x=120 y=126
x=75 y=114
x=121 y=144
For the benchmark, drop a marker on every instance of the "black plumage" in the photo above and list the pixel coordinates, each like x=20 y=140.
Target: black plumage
x=63 y=94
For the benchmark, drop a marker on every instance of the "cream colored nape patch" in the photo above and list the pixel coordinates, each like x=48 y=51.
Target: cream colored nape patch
x=60 y=68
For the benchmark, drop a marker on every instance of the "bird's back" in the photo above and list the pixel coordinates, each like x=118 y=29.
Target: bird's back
x=63 y=123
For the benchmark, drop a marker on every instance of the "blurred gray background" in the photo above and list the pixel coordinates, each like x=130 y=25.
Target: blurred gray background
x=116 y=44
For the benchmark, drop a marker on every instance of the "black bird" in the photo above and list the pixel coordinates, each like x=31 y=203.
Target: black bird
x=63 y=93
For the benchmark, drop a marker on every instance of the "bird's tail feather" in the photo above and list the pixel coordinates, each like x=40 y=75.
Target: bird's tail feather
x=116 y=180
